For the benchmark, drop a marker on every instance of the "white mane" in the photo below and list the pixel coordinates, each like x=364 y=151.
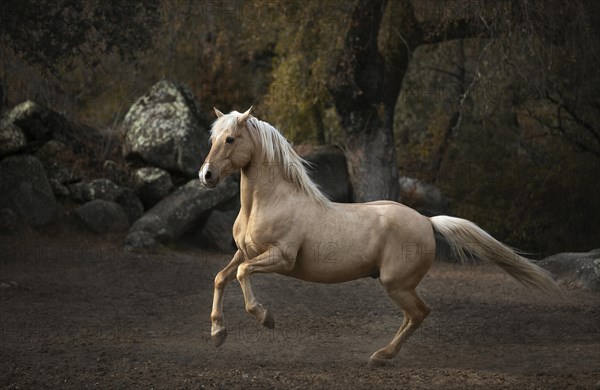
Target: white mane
x=276 y=149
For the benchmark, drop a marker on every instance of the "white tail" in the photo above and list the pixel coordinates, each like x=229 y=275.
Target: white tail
x=467 y=240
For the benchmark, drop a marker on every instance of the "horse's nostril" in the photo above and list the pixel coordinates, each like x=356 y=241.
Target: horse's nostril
x=207 y=175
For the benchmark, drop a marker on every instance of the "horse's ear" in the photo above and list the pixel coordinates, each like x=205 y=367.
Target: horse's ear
x=244 y=117
x=217 y=112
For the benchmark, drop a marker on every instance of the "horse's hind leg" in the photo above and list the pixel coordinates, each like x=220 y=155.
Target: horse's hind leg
x=415 y=311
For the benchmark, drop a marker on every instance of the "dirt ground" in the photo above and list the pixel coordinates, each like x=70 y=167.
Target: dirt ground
x=81 y=313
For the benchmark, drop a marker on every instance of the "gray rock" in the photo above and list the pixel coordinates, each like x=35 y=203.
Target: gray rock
x=12 y=138
x=330 y=173
x=65 y=175
x=102 y=216
x=40 y=124
x=25 y=189
x=423 y=197
x=152 y=185
x=96 y=189
x=579 y=269
x=56 y=157
x=165 y=128
x=140 y=239
x=9 y=284
x=130 y=203
x=101 y=189
x=105 y=189
x=218 y=230
x=180 y=211
x=35 y=120
x=110 y=170
x=8 y=221
x=76 y=192
x=60 y=191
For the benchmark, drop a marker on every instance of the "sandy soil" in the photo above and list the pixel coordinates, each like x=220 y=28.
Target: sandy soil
x=80 y=313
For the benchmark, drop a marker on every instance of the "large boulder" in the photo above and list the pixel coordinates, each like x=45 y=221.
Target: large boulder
x=423 y=197
x=40 y=124
x=183 y=209
x=8 y=221
x=131 y=204
x=217 y=231
x=99 y=189
x=61 y=192
x=12 y=138
x=166 y=128
x=152 y=185
x=36 y=121
x=58 y=161
x=76 y=191
x=105 y=189
x=579 y=269
x=329 y=171
x=65 y=148
x=102 y=216
x=24 y=188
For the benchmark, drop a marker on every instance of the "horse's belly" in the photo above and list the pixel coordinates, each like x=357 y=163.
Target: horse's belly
x=326 y=263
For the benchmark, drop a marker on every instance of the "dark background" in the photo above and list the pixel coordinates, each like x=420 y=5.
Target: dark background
x=496 y=103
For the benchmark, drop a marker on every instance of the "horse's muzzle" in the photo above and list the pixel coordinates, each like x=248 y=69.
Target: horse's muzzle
x=209 y=177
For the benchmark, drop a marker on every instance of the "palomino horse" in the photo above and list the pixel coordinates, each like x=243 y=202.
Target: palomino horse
x=285 y=221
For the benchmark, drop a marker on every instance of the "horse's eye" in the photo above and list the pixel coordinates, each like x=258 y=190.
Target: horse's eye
x=229 y=140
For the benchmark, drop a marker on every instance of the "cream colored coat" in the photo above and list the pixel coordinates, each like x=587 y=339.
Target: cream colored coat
x=287 y=226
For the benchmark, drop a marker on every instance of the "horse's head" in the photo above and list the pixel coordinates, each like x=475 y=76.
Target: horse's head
x=231 y=148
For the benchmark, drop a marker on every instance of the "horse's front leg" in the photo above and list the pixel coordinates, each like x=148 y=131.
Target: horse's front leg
x=274 y=259
x=218 y=331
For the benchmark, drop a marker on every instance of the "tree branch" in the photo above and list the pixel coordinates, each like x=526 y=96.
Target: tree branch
x=430 y=33
x=444 y=71
x=561 y=133
x=358 y=78
x=576 y=118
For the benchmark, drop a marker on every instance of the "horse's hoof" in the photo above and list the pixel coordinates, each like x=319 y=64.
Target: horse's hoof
x=375 y=362
x=269 y=321
x=219 y=337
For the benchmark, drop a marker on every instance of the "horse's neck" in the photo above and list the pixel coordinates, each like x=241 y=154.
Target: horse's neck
x=262 y=184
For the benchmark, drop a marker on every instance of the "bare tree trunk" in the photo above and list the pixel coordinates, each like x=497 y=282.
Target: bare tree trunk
x=442 y=148
x=371 y=156
x=366 y=83
x=318 y=118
